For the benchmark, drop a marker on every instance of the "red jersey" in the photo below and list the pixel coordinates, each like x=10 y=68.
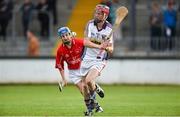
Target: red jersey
x=72 y=55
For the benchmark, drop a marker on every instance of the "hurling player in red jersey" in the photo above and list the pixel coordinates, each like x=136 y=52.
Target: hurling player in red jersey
x=70 y=52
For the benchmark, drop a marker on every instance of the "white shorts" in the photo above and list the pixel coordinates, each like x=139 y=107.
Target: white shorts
x=76 y=75
x=87 y=65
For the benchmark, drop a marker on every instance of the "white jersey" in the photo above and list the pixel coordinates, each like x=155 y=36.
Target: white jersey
x=96 y=36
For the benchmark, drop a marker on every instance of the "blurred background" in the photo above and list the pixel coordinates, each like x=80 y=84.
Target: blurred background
x=142 y=33
x=28 y=32
x=142 y=77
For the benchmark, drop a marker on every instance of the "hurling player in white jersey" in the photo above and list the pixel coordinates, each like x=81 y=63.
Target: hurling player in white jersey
x=94 y=60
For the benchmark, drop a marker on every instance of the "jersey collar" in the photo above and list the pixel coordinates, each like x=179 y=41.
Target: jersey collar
x=103 y=27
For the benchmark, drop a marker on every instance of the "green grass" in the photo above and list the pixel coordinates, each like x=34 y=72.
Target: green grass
x=120 y=100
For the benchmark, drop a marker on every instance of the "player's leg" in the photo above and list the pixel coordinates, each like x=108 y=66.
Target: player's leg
x=86 y=94
x=89 y=80
x=79 y=85
x=94 y=102
x=94 y=86
x=93 y=73
x=75 y=76
x=94 y=68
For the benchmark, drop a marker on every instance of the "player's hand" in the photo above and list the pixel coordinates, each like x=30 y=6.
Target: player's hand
x=109 y=49
x=105 y=44
x=64 y=82
x=108 y=44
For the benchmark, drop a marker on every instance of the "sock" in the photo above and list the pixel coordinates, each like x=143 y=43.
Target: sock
x=93 y=95
x=94 y=102
x=89 y=105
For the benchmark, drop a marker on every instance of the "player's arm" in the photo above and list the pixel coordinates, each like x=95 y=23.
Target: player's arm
x=63 y=77
x=90 y=44
x=60 y=66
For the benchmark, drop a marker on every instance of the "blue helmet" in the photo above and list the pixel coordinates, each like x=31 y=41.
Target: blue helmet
x=63 y=30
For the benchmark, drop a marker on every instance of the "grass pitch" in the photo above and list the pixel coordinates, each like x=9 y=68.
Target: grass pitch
x=119 y=100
